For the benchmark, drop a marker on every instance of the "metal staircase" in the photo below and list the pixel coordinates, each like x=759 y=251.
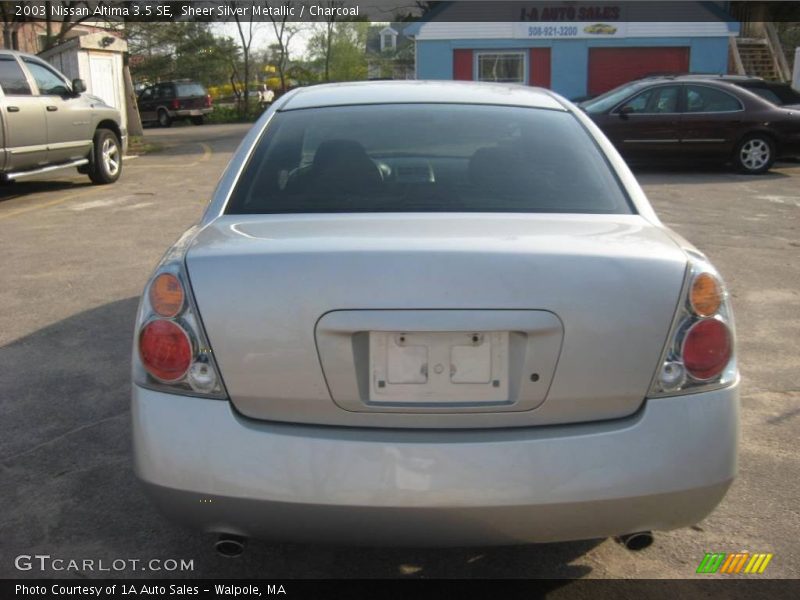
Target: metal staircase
x=757 y=59
x=759 y=53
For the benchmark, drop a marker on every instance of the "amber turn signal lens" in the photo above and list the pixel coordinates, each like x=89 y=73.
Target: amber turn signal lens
x=705 y=295
x=166 y=295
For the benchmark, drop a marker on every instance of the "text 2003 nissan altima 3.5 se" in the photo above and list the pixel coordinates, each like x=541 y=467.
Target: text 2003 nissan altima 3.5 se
x=433 y=313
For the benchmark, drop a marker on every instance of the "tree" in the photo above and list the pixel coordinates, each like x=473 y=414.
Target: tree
x=10 y=17
x=341 y=55
x=325 y=31
x=246 y=37
x=179 y=50
x=284 y=31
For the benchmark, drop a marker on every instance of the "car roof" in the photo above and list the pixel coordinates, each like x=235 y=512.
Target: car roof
x=408 y=92
x=710 y=80
x=22 y=54
x=714 y=76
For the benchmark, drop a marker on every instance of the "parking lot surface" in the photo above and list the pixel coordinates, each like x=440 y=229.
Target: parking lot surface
x=76 y=257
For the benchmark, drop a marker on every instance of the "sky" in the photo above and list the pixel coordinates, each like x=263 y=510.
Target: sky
x=263 y=36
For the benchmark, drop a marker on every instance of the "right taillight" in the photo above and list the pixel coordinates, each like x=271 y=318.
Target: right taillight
x=707 y=349
x=172 y=352
x=165 y=350
x=699 y=354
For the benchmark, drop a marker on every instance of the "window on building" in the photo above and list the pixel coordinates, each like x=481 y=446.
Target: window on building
x=48 y=82
x=12 y=79
x=505 y=67
x=388 y=41
x=707 y=99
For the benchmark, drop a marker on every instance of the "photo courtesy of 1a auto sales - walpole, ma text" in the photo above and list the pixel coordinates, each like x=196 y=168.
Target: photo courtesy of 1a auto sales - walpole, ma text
x=390 y=298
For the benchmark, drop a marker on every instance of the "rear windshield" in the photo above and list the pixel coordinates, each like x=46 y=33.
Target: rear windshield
x=426 y=158
x=190 y=89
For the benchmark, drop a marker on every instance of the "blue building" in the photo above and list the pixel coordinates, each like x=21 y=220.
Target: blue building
x=575 y=48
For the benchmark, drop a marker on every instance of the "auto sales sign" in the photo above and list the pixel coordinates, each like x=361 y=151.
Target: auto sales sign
x=571 y=20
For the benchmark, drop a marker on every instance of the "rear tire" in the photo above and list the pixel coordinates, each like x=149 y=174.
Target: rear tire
x=164 y=120
x=105 y=165
x=198 y=120
x=755 y=154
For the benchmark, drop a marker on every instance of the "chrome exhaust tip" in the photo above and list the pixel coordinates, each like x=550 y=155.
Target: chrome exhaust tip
x=230 y=546
x=636 y=541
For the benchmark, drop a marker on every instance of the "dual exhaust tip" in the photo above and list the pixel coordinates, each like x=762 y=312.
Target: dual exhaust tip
x=636 y=541
x=230 y=546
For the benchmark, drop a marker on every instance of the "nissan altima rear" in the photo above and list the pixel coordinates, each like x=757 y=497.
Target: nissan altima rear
x=433 y=314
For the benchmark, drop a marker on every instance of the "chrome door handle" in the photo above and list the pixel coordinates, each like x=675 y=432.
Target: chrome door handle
x=13 y=109
x=52 y=108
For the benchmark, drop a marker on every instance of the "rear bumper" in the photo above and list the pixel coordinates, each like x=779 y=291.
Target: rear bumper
x=666 y=467
x=190 y=112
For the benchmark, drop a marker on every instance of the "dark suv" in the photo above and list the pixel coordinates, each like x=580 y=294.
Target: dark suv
x=182 y=99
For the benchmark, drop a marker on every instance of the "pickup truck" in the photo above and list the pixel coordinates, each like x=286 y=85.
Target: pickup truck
x=50 y=123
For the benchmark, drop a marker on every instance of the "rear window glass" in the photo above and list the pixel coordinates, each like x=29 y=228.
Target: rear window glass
x=766 y=94
x=12 y=78
x=190 y=89
x=426 y=158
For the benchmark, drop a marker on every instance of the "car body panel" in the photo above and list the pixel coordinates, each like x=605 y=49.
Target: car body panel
x=597 y=273
x=398 y=92
x=25 y=142
x=665 y=467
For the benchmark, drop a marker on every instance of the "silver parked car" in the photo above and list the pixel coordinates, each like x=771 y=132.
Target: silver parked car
x=49 y=123
x=432 y=313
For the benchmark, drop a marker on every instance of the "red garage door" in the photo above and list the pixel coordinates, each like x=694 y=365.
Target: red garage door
x=610 y=67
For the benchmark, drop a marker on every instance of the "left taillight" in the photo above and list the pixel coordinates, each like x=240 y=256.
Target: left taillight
x=699 y=354
x=172 y=351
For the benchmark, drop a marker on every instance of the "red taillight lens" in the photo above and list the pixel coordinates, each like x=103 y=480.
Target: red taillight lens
x=208 y=101
x=165 y=350
x=176 y=104
x=707 y=348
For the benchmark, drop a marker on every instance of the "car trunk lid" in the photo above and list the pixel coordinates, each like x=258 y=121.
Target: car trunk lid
x=533 y=318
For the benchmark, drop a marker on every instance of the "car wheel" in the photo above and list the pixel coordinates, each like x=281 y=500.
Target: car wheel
x=754 y=154
x=105 y=165
x=164 y=119
x=198 y=120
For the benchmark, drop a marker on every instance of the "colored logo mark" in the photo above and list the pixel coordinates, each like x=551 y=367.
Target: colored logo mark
x=736 y=562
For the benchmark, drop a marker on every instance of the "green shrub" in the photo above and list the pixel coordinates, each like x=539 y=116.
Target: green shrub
x=230 y=114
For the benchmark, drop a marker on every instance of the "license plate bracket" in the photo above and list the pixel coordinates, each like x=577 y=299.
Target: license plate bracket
x=438 y=367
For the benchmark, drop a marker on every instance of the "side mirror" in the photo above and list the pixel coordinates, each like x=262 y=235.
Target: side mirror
x=78 y=86
x=625 y=111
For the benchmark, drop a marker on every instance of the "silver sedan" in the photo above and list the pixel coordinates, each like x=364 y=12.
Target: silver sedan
x=433 y=313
